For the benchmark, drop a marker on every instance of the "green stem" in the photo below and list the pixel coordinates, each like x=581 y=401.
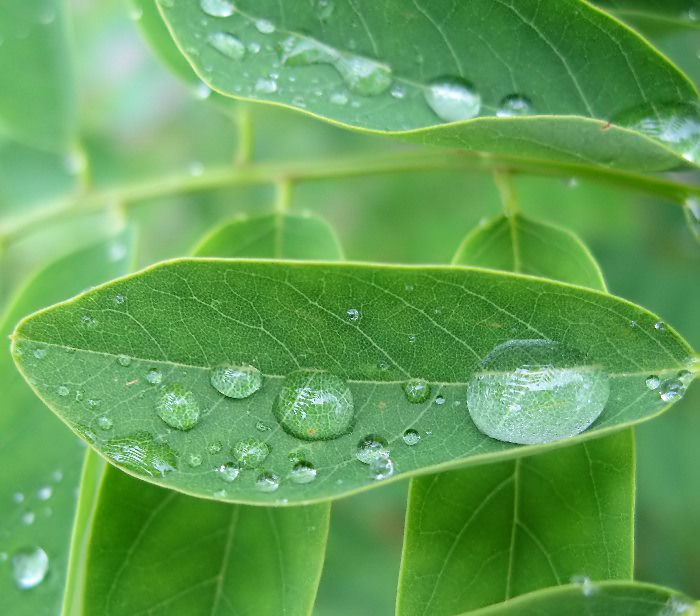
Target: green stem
x=509 y=201
x=284 y=195
x=270 y=173
x=244 y=153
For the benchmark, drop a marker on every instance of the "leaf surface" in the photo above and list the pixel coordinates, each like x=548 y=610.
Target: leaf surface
x=185 y=317
x=408 y=69
x=36 y=67
x=37 y=498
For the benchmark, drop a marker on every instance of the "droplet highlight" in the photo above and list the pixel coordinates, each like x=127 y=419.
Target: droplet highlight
x=236 y=381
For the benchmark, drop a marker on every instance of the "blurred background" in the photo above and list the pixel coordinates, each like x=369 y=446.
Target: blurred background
x=138 y=121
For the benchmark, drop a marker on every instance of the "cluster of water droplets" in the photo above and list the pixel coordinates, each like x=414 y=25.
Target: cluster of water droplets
x=670 y=389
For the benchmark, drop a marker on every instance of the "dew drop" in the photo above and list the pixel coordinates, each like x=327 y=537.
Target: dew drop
x=236 y=381
x=416 y=390
x=660 y=326
x=453 y=99
x=362 y=75
x=44 y=493
x=588 y=588
x=372 y=447
x=104 y=423
x=324 y=9
x=88 y=322
x=353 y=315
x=18 y=497
x=228 y=472
x=28 y=518
x=267 y=482
x=250 y=453
x=302 y=472
x=653 y=381
x=202 y=91
x=217 y=8
x=215 y=447
x=62 y=391
x=254 y=47
x=177 y=407
x=142 y=454
x=536 y=391
x=300 y=51
x=411 y=437
x=514 y=105
x=264 y=26
x=398 y=92
x=57 y=476
x=440 y=399
x=93 y=403
x=29 y=567
x=119 y=299
x=671 y=390
x=339 y=98
x=194 y=460
x=227 y=44
x=676 y=606
x=265 y=86
x=124 y=360
x=154 y=376
x=39 y=353
x=314 y=405
x=261 y=426
x=381 y=468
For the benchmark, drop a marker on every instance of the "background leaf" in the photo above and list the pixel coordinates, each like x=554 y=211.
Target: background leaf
x=458 y=315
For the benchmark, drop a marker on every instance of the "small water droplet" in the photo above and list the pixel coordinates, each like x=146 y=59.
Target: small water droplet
x=339 y=98
x=440 y=399
x=194 y=460
x=588 y=588
x=265 y=86
x=215 y=447
x=383 y=366
x=227 y=44
x=536 y=391
x=228 y=472
x=324 y=9
x=217 y=8
x=372 y=447
x=254 y=47
x=105 y=423
x=453 y=99
x=177 y=407
x=57 y=476
x=28 y=518
x=381 y=468
x=267 y=482
x=250 y=453
x=141 y=453
x=261 y=426
x=398 y=92
x=18 y=497
x=93 y=403
x=653 y=381
x=514 y=105
x=88 y=322
x=202 y=91
x=154 y=376
x=314 y=405
x=44 y=493
x=411 y=338
x=362 y=75
x=264 y=26
x=62 y=390
x=660 y=326
x=39 y=353
x=195 y=168
x=416 y=390
x=124 y=360
x=353 y=315
x=411 y=437
x=119 y=299
x=29 y=567
x=671 y=390
x=302 y=472
x=236 y=381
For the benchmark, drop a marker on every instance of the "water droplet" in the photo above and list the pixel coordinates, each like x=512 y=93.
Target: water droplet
x=261 y=426
x=154 y=376
x=39 y=353
x=194 y=460
x=88 y=322
x=300 y=51
x=227 y=44
x=44 y=493
x=416 y=390
x=672 y=389
x=353 y=315
x=314 y=405
x=381 y=468
x=228 y=472
x=18 y=497
x=675 y=606
x=124 y=360
x=79 y=395
x=440 y=399
x=195 y=168
x=105 y=423
x=411 y=338
x=177 y=407
x=254 y=47
x=339 y=98
x=411 y=437
x=202 y=91
x=372 y=447
x=536 y=391
x=588 y=588
x=303 y=472
x=28 y=518
x=29 y=567
x=453 y=99
x=236 y=381
x=653 y=381
x=217 y=8
x=514 y=105
x=62 y=390
x=264 y=26
x=383 y=366
x=324 y=9
x=362 y=75
x=265 y=86
x=57 y=476
x=93 y=403
x=250 y=453
x=215 y=447
x=119 y=299
x=398 y=92
x=660 y=326
x=142 y=454
x=267 y=482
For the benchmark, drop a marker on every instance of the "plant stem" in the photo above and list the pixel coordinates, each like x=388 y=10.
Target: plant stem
x=509 y=201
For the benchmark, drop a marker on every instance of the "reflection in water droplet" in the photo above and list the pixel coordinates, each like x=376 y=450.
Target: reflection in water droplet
x=266 y=86
x=228 y=472
x=440 y=399
x=353 y=315
x=215 y=447
x=104 y=423
x=653 y=381
x=124 y=360
x=411 y=437
x=381 y=468
x=39 y=353
x=267 y=482
x=194 y=460
x=140 y=453
x=250 y=453
x=588 y=588
x=453 y=99
x=416 y=390
x=514 y=105
x=217 y=8
x=362 y=75
x=236 y=381
x=303 y=472
x=227 y=44
x=536 y=391
x=660 y=326
x=62 y=390
x=154 y=376
x=372 y=447
x=314 y=405
x=29 y=567
x=177 y=407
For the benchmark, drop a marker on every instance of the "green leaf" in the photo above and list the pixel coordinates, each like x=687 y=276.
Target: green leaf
x=680 y=12
x=35 y=60
x=518 y=244
x=182 y=318
x=407 y=70
x=167 y=553
x=37 y=499
x=599 y=599
x=275 y=235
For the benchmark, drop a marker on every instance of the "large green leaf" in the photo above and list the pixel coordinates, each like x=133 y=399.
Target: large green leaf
x=36 y=69
x=604 y=599
x=374 y=326
x=393 y=68
x=37 y=493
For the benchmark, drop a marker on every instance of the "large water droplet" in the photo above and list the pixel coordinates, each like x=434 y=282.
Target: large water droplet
x=411 y=437
x=372 y=447
x=416 y=390
x=514 y=105
x=303 y=472
x=236 y=381
x=29 y=567
x=250 y=452
x=177 y=407
x=267 y=482
x=217 y=8
x=314 y=405
x=536 y=391
x=227 y=44
x=453 y=99
x=140 y=453
x=362 y=75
